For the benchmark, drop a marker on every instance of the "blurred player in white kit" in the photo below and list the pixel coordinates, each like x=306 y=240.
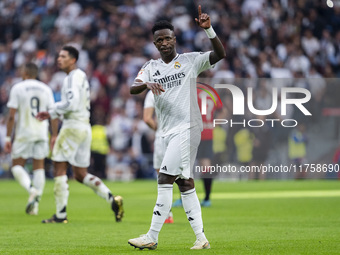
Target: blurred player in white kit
x=27 y=98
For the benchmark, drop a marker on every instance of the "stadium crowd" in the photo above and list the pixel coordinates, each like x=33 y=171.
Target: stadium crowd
x=263 y=39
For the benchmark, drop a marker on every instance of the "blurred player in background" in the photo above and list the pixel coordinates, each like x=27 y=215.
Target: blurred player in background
x=74 y=139
x=27 y=98
x=158 y=150
x=172 y=79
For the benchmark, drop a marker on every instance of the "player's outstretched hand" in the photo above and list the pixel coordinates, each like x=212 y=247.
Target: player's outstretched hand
x=156 y=88
x=42 y=116
x=203 y=19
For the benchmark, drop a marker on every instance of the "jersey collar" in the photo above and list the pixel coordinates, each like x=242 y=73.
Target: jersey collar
x=171 y=60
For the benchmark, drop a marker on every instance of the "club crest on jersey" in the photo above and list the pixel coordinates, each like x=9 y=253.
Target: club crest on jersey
x=177 y=65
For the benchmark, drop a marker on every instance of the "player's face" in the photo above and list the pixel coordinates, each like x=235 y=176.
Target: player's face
x=165 y=42
x=65 y=61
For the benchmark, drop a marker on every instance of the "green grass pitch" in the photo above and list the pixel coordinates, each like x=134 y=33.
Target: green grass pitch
x=270 y=217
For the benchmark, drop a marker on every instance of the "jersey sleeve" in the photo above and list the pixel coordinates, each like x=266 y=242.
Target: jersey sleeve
x=201 y=61
x=71 y=97
x=149 y=100
x=144 y=73
x=13 y=101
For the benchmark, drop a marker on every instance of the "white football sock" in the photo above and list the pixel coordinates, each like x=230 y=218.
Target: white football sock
x=161 y=209
x=61 y=194
x=38 y=180
x=22 y=177
x=192 y=209
x=98 y=187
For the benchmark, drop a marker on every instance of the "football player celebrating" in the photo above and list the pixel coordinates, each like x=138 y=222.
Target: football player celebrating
x=172 y=79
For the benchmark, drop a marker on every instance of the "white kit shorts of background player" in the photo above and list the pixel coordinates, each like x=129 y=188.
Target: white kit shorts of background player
x=31 y=135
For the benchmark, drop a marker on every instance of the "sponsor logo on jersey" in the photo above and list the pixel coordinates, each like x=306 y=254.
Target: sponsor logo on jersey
x=171 y=81
x=177 y=65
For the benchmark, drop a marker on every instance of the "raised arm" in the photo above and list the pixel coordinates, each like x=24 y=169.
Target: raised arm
x=218 y=50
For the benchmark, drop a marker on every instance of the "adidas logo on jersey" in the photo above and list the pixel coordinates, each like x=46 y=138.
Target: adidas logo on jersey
x=164 y=168
x=156 y=73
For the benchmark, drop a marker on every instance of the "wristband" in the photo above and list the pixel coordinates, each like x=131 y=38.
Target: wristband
x=7 y=139
x=210 y=32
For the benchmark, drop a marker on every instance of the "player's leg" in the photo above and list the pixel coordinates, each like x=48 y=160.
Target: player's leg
x=97 y=185
x=20 y=174
x=24 y=180
x=191 y=204
x=61 y=193
x=207 y=181
x=192 y=208
x=170 y=218
x=160 y=213
x=170 y=169
x=158 y=155
x=38 y=183
x=38 y=180
x=20 y=153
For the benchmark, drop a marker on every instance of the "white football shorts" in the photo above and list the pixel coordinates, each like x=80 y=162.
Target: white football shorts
x=73 y=145
x=180 y=152
x=35 y=150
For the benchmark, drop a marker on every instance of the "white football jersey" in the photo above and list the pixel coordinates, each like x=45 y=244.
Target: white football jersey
x=177 y=108
x=30 y=97
x=75 y=100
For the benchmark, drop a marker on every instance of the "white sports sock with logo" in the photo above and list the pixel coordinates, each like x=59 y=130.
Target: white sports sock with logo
x=98 y=187
x=38 y=180
x=61 y=194
x=161 y=210
x=192 y=209
x=22 y=177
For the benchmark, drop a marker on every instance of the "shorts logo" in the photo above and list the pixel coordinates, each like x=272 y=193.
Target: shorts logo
x=164 y=168
x=211 y=92
x=177 y=65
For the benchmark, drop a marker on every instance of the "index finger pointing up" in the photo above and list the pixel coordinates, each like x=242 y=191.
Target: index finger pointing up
x=199 y=11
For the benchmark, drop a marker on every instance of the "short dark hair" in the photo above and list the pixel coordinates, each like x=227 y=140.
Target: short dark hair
x=162 y=24
x=73 y=52
x=31 y=70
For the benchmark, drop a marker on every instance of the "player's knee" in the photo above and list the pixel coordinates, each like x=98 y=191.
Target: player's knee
x=166 y=179
x=185 y=185
x=79 y=177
